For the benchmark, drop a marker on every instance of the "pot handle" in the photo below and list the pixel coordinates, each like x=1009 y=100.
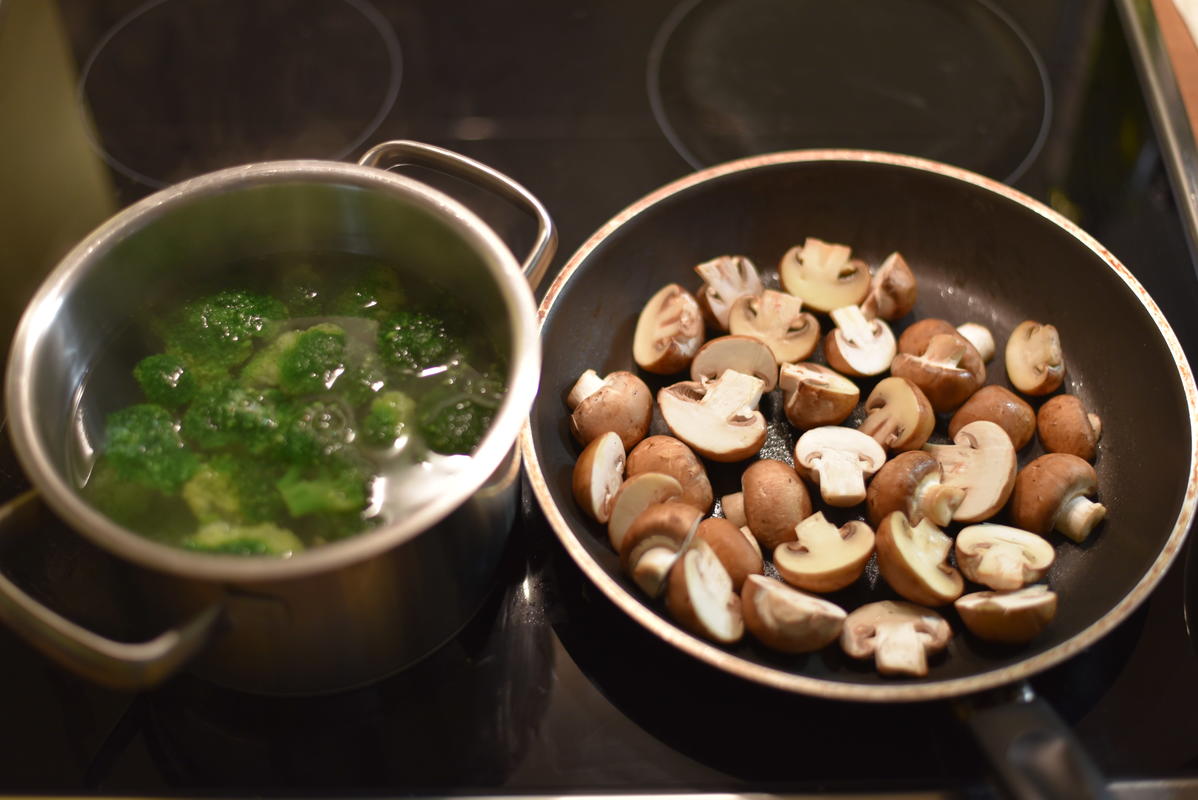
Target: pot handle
x=400 y=152
x=118 y=665
x=1032 y=750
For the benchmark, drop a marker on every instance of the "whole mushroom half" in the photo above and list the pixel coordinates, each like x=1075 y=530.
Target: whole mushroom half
x=775 y=500
x=859 y=346
x=814 y=395
x=1008 y=617
x=620 y=402
x=1035 y=362
x=1065 y=426
x=910 y=483
x=899 y=636
x=825 y=275
x=891 y=290
x=1002 y=557
x=598 y=474
x=913 y=559
x=742 y=353
x=725 y=279
x=787 y=620
x=700 y=597
x=981 y=461
x=667 y=455
x=1051 y=493
x=654 y=541
x=718 y=420
x=778 y=320
x=668 y=331
x=838 y=460
x=1002 y=407
x=822 y=557
x=898 y=415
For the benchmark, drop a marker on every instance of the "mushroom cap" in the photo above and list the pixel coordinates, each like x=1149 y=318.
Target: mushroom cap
x=778 y=320
x=775 y=500
x=948 y=370
x=981 y=461
x=1065 y=426
x=1001 y=406
x=825 y=275
x=718 y=420
x=622 y=404
x=914 y=561
x=654 y=540
x=700 y=598
x=900 y=636
x=1002 y=557
x=669 y=456
x=891 y=290
x=1008 y=617
x=838 y=460
x=859 y=346
x=1045 y=486
x=898 y=415
x=742 y=353
x=815 y=395
x=910 y=483
x=1035 y=363
x=668 y=331
x=598 y=474
x=635 y=494
x=822 y=557
x=725 y=278
x=788 y=620
x=736 y=552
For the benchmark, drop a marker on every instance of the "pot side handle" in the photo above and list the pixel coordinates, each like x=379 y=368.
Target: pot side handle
x=400 y=152
x=118 y=665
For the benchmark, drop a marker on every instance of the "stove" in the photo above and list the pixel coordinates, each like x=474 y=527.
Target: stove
x=550 y=689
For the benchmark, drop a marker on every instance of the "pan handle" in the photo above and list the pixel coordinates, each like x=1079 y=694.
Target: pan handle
x=119 y=665
x=1030 y=747
x=400 y=152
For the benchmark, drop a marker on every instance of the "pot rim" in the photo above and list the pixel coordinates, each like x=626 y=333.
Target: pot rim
x=924 y=690
x=524 y=374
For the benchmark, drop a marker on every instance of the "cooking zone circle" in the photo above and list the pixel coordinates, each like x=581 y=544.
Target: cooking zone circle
x=181 y=87
x=733 y=78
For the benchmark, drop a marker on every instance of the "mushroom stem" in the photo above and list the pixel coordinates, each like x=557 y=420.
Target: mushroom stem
x=587 y=384
x=1096 y=424
x=980 y=337
x=945 y=349
x=938 y=502
x=1003 y=568
x=841 y=481
x=653 y=568
x=734 y=396
x=853 y=323
x=900 y=651
x=1078 y=517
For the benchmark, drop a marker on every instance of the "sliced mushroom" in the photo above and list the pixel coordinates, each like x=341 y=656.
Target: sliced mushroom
x=1035 y=363
x=654 y=541
x=981 y=461
x=725 y=279
x=1002 y=557
x=777 y=319
x=913 y=559
x=775 y=500
x=718 y=420
x=891 y=290
x=980 y=337
x=741 y=353
x=825 y=275
x=941 y=371
x=667 y=455
x=668 y=331
x=733 y=506
x=899 y=636
x=1065 y=426
x=635 y=495
x=910 y=483
x=897 y=415
x=700 y=596
x=598 y=474
x=824 y=558
x=815 y=395
x=838 y=460
x=620 y=402
x=1008 y=617
x=859 y=346
x=787 y=620
x=738 y=553
x=1050 y=493
x=1002 y=407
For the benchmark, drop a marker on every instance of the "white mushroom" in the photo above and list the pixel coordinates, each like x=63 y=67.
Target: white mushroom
x=742 y=353
x=1008 y=617
x=700 y=596
x=668 y=331
x=787 y=620
x=815 y=395
x=1002 y=557
x=913 y=559
x=598 y=474
x=822 y=557
x=778 y=320
x=825 y=275
x=838 y=460
x=1035 y=363
x=859 y=346
x=981 y=461
x=899 y=636
x=635 y=495
x=725 y=279
x=620 y=402
x=718 y=420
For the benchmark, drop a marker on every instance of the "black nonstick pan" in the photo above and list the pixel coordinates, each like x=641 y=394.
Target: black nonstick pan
x=981 y=252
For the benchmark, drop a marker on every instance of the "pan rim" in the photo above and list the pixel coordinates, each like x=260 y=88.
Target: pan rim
x=848 y=690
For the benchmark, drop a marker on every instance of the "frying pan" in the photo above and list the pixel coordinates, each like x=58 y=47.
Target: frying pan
x=980 y=251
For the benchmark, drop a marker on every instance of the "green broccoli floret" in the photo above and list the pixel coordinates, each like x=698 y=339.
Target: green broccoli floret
x=388 y=419
x=362 y=381
x=313 y=431
x=302 y=289
x=263 y=369
x=314 y=361
x=244 y=540
x=373 y=294
x=143 y=445
x=454 y=417
x=413 y=340
x=138 y=507
x=218 y=331
x=227 y=415
x=235 y=488
x=333 y=486
x=165 y=380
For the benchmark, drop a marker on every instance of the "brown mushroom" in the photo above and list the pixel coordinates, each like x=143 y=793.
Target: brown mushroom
x=815 y=395
x=1035 y=363
x=913 y=559
x=598 y=474
x=897 y=415
x=910 y=483
x=620 y=402
x=1050 y=493
x=941 y=370
x=738 y=553
x=899 y=636
x=891 y=290
x=725 y=279
x=787 y=620
x=778 y=320
x=981 y=461
x=741 y=353
x=822 y=557
x=1008 y=617
x=775 y=500
x=654 y=540
x=718 y=420
x=669 y=456
x=825 y=275
x=1002 y=557
x=635 y=495
x=859 y=346
x=668 y=331
x=700 y=598
x=733 y=506
x=1002 y=407
x=1065 y=426
x=838 y=460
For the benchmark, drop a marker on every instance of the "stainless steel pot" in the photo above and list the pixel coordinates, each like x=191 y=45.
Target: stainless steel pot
x=336 y=616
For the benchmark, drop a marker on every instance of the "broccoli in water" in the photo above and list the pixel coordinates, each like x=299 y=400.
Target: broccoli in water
x=313 y=431
x=336 y=485
x=244 y=540
x=227 y=415
x=364 y=380
x=262 y=370
x=374 y=294
x=165 y=380
x=314 y=361
x=138 y=507
x=143 y=445
x=388 y=418
x=218 y=331
x=454 y=417
x=413 y=340
x=234 y=488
